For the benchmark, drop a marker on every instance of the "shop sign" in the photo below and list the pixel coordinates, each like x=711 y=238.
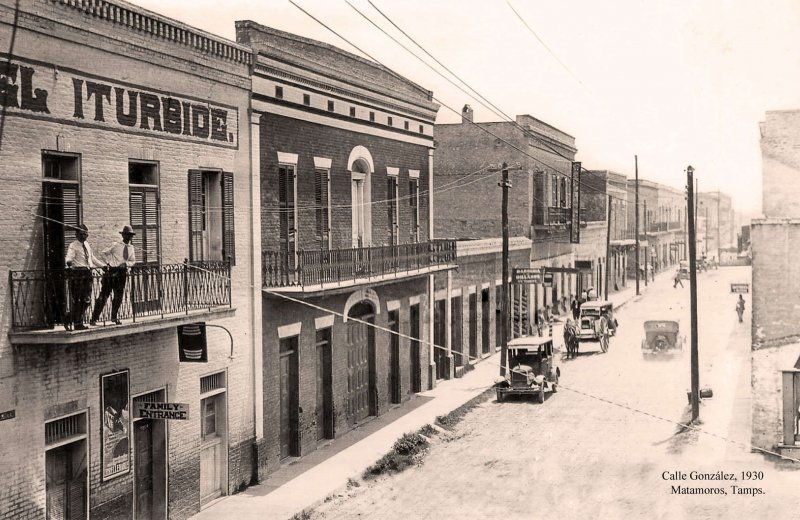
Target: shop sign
x=192 y=343
x=526 y=275
x=547 y=279
x=741 y=288
x=67 y=96
x=115 y=458
x=575 y=199
x=167 y=411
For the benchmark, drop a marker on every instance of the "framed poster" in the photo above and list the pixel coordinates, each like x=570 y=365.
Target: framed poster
x=115 y=453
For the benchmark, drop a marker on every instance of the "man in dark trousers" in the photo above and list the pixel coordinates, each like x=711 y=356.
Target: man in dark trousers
x=740 y=307
x=677 y=280
x=80 y=261
x=119 y=257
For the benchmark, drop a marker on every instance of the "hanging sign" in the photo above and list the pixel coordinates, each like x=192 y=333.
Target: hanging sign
x=526 y=275
x=575 y=199
x=741 y=288
x=192 y=345
x=168 y=411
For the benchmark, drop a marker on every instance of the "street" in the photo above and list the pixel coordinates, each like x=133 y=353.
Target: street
x=606 y=445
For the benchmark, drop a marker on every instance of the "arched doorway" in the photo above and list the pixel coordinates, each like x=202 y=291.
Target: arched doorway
x=361 y=388
x=361 y=166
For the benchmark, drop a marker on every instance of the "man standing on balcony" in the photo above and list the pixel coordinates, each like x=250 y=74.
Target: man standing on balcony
x=80 y=261
x=119 y=257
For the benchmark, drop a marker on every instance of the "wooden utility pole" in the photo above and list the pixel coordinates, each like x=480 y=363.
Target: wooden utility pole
x=505 y=293
x=608 y=245
x=636 y=232
x=693 y=291
x=647 y=247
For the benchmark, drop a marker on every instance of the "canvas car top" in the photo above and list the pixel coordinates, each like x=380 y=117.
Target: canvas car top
x=596 y=304
x=670 y=326
x=529 y=342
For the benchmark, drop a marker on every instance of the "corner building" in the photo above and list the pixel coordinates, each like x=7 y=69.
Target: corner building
x=114 y=116
x=344 y=149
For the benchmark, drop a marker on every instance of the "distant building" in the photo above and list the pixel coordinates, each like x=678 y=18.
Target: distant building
x=776 y=329
x=715 y=228
x=469 y=199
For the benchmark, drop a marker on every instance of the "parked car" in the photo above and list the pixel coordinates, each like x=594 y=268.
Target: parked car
x=530 y=368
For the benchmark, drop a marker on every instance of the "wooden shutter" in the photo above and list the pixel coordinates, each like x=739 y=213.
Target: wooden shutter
x=144 y=203
x=228 y=234
x=286 y=207
x=391 y=196
x=321 y=200
x=71 y=216
x=195 y=215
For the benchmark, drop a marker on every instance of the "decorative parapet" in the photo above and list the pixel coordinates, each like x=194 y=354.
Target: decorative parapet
x=137 y=19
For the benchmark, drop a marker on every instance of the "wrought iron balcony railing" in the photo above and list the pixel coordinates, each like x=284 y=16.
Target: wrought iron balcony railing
x=334 y=266
x=42 y=299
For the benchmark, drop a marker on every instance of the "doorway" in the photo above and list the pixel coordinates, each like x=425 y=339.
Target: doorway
x=149 y=455
x=289 y=389
x=394 y=357
x=439 y=348
x=416 y=325
x=324 y=408
x=213 y=443
x=361 y=389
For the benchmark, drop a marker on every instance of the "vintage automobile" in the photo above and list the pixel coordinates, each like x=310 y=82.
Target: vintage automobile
x=662 y=337
x=530 y=368
x=596 y=323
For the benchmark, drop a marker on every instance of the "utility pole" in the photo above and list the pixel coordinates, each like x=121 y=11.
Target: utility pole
x=696 y=200
x=647 y=247
x=693 y=288
x=506 y=304
x=608 y=244
x=636 y=232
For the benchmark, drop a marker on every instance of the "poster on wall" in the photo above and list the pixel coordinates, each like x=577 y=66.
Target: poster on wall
x=115 y=458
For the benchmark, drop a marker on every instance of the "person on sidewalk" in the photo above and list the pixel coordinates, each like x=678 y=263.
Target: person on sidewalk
x=740 y=307
x=677 y=280
x=576 y=308
x=119 y=257
x=80 y=261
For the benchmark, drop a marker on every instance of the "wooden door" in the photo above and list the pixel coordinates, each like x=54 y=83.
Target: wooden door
x=414 y=360
x=213 y=451
x=65 y=470
x=394 y=357
x=439 y=349
x=149 y=469
x=360 y=369
x=324 y=408
x=288 y=394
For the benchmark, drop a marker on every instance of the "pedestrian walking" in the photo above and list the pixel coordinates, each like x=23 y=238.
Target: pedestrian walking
x=677 y=280
x=80 y=261
x=740 y=307
x=120 y=256
x=576 y=308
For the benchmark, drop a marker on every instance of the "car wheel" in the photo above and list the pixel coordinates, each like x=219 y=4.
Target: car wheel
x=554 y=385
x=499 y=396
x=540 y=395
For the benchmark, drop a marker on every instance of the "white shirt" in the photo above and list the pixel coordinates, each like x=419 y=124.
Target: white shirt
x=114 y=255
x=78 y=257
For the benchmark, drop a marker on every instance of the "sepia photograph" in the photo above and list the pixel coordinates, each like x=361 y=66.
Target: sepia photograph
x=399 y=259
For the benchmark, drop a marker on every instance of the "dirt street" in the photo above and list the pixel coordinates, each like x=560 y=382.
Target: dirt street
x=600 y=447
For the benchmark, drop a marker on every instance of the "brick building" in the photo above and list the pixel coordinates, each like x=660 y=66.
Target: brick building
x=775 y=297
x=539 y=205
x=716 y=229
x=116 y=116
x=662 y=226
x=344 y=151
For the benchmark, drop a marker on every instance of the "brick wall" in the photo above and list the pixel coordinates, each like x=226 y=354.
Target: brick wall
x=278 y=312
x=38 y=381
x=309 y=140
x=780 y=134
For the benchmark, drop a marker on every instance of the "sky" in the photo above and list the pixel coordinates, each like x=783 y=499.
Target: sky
x=674 y=82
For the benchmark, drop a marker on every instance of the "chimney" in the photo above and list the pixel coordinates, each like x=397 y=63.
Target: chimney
x=466 y=114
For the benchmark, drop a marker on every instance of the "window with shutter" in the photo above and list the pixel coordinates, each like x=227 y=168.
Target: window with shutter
x=228 y=232
x=196 y=215
x=144 y=211
x=391 y=197
x=322 y=206
x=286 y=207
x=62 y=205
x=413 y=199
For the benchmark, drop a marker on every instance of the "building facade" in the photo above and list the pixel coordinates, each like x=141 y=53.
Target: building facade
x=116 y=116
x=344 y=151
x=775 y=330
x=539 y=202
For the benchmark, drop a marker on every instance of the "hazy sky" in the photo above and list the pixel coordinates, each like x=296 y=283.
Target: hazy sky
x=677 y=82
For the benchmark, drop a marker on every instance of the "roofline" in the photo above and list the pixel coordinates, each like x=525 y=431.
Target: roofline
x=333 y=48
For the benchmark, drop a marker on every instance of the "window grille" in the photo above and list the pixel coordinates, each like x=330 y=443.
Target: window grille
x=212 y=382
x=64 y=428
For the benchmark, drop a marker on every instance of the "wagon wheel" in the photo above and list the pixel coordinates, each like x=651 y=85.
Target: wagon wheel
x=540 y=395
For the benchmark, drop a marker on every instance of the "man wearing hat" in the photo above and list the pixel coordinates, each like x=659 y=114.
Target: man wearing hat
x=119 y=257
x=80 y=261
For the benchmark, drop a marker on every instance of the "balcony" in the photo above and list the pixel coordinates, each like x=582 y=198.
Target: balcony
x=155 y=297
x=328 y=269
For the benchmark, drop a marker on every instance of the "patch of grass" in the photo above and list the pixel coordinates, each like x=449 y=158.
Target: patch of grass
x=407 y=451
x=450 y=420
x=302 y=515
x=428 y=431
x=353 y=483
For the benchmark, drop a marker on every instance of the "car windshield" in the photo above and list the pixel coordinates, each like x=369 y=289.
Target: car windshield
x=592 y=313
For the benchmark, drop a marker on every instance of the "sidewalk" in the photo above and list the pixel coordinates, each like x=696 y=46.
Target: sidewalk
x=301 y=486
